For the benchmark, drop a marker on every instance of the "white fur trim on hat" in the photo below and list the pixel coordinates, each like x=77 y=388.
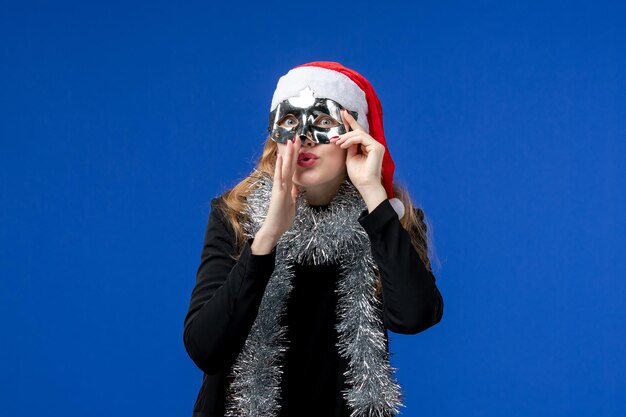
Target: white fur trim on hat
x=325 y=83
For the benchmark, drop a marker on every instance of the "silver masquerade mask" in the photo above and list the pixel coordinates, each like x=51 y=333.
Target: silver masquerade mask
x=306 y=113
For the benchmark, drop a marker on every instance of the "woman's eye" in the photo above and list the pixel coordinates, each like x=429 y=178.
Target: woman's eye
x=289 y=121
x=326 y=121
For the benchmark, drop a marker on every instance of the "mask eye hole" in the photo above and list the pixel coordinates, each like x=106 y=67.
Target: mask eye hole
x=288 y=122
x=325 y=121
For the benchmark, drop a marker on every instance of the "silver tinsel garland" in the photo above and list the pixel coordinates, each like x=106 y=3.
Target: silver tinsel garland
x=317 y=237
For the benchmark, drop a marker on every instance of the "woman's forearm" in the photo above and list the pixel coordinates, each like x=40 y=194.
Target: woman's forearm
x=411 y=300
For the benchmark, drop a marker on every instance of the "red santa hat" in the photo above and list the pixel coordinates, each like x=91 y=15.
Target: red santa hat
x=354 y=92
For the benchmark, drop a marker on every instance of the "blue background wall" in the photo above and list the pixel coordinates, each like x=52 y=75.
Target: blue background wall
x=120 y=121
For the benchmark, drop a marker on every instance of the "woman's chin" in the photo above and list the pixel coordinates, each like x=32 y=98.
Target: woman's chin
x=315 y=177
x=306 y=179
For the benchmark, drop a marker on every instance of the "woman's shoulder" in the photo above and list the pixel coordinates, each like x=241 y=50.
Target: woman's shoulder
x=219 y=209
x=217 y=202
x=226 y=214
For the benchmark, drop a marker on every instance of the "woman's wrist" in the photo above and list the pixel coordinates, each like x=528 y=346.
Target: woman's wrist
x=263 y=243
x=373 y=196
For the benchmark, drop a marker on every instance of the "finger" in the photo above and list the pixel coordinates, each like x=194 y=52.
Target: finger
x=354 y=133
x=296 y=152
x=344 y=120
x=278 y=169
x=352 y=152
x=294 y=192
x=370 y=144
x=294 y=157
x=352 y=121
x=342 y=138
x=350 y=134
x=286 y=168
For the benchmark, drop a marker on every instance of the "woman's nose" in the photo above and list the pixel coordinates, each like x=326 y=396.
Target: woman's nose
x=308 y=141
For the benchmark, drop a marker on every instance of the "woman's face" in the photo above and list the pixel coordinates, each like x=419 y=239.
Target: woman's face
x=321 y=167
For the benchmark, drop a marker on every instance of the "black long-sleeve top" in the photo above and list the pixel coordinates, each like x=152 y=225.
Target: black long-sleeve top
x=226 y=298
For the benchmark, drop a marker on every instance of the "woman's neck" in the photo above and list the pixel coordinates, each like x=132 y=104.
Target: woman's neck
x=321 y=195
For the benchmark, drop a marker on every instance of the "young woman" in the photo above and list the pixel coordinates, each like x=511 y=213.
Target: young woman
x=309 y=261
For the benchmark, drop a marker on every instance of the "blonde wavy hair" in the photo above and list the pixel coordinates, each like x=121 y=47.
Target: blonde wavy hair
x=233 y=204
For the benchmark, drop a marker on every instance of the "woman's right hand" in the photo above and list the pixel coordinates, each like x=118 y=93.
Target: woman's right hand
x=282 y=208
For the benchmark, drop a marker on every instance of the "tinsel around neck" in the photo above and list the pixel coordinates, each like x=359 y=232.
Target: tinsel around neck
x=328 y=231
x=317 y=236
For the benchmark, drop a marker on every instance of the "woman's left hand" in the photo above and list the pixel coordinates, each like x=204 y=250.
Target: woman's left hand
x=364 y=160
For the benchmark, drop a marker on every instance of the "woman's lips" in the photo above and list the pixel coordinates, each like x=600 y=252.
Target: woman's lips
x=307 y=159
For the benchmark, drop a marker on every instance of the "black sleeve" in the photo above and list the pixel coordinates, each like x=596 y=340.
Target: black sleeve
x=411 y=301
x=225 y=300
